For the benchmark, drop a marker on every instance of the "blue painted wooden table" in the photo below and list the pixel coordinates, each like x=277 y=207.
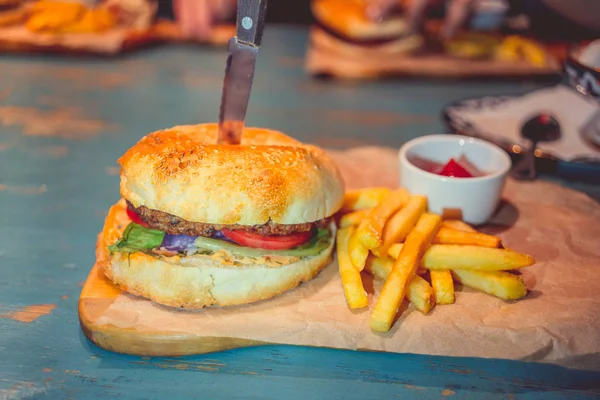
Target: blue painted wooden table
x=64 y=122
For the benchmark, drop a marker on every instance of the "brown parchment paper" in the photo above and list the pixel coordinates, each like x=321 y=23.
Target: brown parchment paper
x=558 y=322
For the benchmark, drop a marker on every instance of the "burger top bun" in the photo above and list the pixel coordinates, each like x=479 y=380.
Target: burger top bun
x=348 y=18
x=269 y=177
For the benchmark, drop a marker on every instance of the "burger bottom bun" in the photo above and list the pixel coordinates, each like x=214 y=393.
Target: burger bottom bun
x=202 y=281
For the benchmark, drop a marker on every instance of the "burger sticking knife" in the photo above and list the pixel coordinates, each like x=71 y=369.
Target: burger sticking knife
x=239 y=71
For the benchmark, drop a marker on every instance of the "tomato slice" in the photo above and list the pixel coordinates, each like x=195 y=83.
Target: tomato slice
x=135 y=217
x=452 y=168
x=255 y=240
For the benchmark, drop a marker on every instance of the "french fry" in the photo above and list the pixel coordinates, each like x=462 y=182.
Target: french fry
x=353 y=218
x=357 y=251
x=53 y=5
x=50 y=16
x=370 y=230
x=458 y=224
x=419 y=292
x=403 y=271
x=443 y=286
x=94 y=20
x=450 y=256
x=364 y=198
x=497 y=283
x=401 y=223
x=355 y=293
x=455 y=236
x=379 y=267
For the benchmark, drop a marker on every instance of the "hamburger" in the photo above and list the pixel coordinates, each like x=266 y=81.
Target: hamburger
x=343 y=26
x=203 y=224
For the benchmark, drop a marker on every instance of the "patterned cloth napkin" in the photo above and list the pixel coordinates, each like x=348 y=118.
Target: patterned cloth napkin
x=500 y=118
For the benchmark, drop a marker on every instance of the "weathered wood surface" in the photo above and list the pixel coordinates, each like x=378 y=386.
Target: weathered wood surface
x=64 y=122
x=99 y=293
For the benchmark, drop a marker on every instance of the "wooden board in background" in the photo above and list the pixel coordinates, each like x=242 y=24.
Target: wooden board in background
x=162 y=32
x=324 y=57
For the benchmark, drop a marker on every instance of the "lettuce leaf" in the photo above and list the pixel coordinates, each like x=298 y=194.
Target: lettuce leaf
x=137 y=238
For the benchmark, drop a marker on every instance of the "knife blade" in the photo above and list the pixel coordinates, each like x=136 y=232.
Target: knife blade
x=239 y=70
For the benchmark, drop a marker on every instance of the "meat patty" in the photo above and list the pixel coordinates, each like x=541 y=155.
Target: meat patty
x=174 y=225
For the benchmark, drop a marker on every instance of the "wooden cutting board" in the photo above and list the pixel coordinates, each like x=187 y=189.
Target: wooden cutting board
x=18 y=40
x=98 y=295
x=557 y=322
x=344 y=61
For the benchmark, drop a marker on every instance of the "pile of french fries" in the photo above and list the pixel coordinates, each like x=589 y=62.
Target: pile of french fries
x=419 y=255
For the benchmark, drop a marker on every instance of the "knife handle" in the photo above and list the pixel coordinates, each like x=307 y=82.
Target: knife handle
x=251 y=20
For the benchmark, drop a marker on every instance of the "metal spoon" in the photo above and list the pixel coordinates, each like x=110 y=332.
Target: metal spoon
x=540 y=128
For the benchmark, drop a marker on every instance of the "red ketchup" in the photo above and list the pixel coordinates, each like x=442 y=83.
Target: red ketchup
x=455 y=168
x=452 y=168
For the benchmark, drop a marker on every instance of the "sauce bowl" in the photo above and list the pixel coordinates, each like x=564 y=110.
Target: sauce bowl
x=473 y=199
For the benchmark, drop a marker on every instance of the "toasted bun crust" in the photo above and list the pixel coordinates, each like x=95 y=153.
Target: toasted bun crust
x=348 y=18
x=269 y=177
x=198 y=282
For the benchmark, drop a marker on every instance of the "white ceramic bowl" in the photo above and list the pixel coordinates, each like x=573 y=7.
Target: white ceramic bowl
x=476 y=198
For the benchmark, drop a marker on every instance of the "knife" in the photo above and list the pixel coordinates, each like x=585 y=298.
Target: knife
x=239 y=71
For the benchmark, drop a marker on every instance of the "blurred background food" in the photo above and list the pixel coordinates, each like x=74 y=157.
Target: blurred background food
x=64 y=16
x=503 y=30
